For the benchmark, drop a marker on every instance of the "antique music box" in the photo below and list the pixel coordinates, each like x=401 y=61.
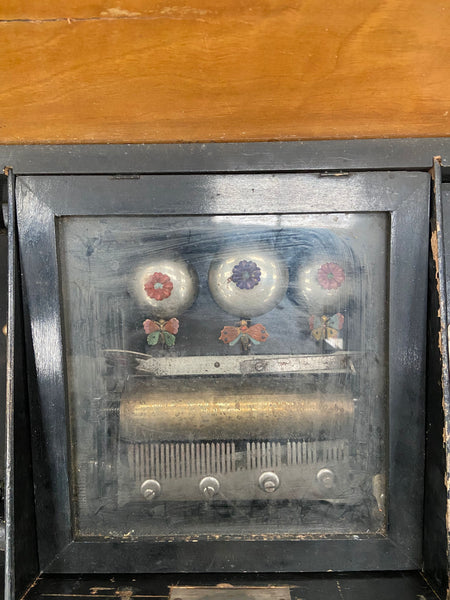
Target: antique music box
x=218 y=364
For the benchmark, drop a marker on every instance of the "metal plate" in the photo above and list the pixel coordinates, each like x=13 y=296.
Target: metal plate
x=339 y=362
x=229 y=592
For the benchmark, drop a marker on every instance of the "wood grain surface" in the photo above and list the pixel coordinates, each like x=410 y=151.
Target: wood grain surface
x=208 y=70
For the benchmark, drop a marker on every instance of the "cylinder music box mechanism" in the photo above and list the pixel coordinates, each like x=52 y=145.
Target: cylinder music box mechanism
x=176 y=436
x=228 y=359
x=243 y=362
x=151 y=414
x=205 y=421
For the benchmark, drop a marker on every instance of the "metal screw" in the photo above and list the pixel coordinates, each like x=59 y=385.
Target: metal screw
x=269 y=482
x=150 y=489
x=269 y=486
x=209 y=487
x=326 y=478
x=259 y=366
x=217 y=364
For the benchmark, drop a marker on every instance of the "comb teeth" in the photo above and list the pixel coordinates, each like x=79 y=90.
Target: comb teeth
x=179 y=460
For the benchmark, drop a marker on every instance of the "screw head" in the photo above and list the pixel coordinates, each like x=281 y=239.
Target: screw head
x=326 y=478
x=209 y=487
x=269 y=482
x=269 y=486
x=150 y=489
x=209 y=491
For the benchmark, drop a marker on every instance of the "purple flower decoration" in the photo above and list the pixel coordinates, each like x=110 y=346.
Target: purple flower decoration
x=246 y=275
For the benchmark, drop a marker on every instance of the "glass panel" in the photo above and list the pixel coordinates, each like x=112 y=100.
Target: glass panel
x=227 y=376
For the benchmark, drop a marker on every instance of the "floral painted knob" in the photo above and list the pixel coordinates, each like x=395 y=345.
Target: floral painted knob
x=323 y=283
x=246 y=275
x=248 y=281
x=168 y=284
x=330 y=276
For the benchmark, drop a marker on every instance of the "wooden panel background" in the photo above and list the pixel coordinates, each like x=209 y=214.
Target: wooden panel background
x=223 y=70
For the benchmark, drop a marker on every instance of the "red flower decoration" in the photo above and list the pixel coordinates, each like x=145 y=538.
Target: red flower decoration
x=158 y=286
x=330 y=276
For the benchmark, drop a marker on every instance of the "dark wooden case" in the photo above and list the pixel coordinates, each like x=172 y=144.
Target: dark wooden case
x=350 y=177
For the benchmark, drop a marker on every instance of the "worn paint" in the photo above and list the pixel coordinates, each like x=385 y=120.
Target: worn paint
x=437 y=252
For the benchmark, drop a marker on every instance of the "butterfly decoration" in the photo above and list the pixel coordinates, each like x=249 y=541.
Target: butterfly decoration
x=255 y=334
x=161 y=331
x=327 y=328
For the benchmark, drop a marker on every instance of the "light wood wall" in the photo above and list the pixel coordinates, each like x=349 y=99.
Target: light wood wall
x=223 y=70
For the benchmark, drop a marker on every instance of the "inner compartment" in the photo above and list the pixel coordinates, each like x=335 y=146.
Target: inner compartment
x=227 y=376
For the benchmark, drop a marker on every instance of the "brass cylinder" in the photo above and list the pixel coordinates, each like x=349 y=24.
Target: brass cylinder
x=156 y=415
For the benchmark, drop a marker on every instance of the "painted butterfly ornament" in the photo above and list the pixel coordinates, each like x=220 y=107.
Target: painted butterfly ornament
x=166 y=286
x=161 y=331
x=327 y=329
x=255 y=334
